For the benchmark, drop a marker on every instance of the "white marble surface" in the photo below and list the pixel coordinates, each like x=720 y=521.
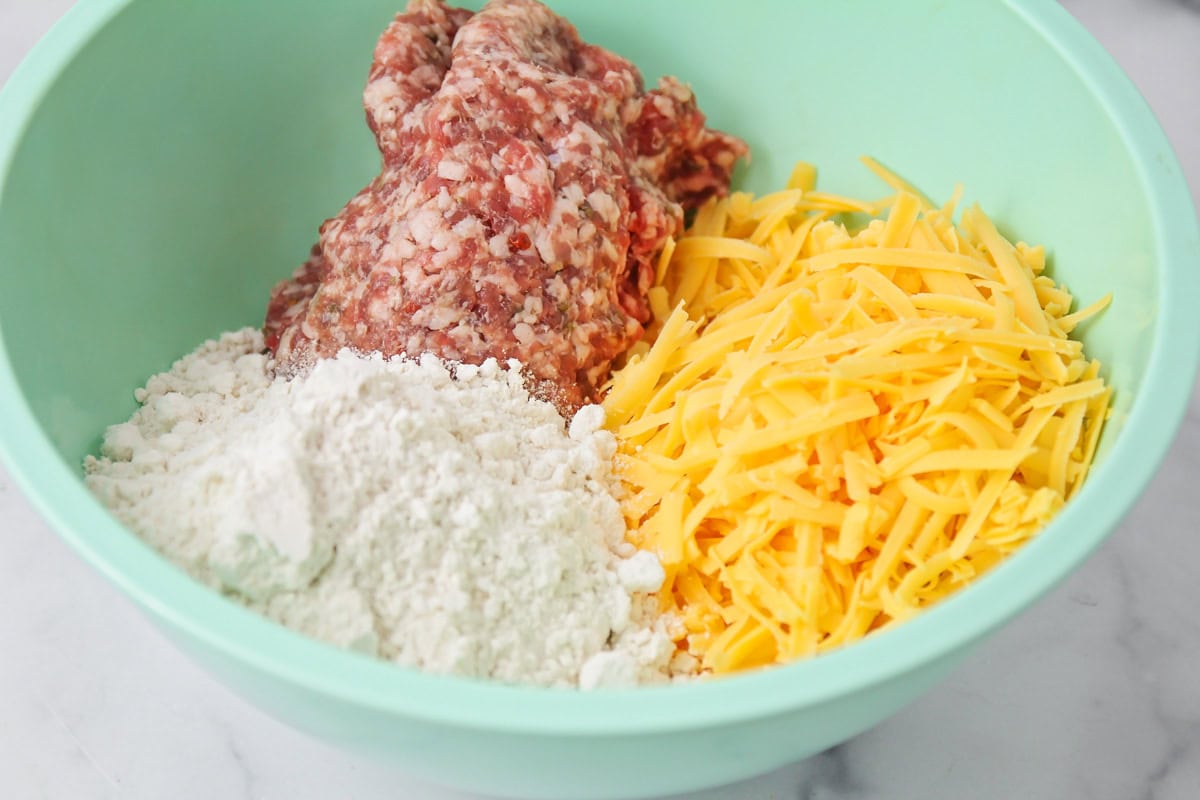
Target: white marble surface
x=1094 y=693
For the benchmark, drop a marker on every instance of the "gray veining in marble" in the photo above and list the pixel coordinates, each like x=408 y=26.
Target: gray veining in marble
x=1091 y=695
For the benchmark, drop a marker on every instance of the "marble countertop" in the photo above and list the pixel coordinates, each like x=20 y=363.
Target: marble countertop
x=1094 y=693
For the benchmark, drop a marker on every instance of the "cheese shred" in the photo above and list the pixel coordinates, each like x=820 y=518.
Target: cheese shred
x=831 y=429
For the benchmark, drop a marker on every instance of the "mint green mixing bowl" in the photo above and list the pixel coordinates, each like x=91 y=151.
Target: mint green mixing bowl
x=162 y=164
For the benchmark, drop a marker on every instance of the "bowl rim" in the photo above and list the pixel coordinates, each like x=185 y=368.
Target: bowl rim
x=229 y=631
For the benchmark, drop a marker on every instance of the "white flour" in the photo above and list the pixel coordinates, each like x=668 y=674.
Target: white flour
x=444 y=523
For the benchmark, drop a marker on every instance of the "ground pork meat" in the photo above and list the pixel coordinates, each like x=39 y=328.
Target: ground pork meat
x=528 y=181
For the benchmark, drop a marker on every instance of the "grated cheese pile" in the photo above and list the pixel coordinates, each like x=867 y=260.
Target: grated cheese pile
x=832 y=429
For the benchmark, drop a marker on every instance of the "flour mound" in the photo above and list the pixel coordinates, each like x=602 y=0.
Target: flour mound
x=432 y=514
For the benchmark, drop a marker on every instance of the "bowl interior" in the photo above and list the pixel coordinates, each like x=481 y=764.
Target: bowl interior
x=181 y=162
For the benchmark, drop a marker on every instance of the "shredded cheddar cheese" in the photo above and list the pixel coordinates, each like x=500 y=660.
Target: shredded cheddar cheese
x=831 y=429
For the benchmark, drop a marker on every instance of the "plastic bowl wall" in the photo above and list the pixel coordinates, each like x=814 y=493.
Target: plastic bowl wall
x=162 y=164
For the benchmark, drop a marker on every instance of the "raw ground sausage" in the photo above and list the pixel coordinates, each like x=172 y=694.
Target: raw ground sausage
x=528 y=183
